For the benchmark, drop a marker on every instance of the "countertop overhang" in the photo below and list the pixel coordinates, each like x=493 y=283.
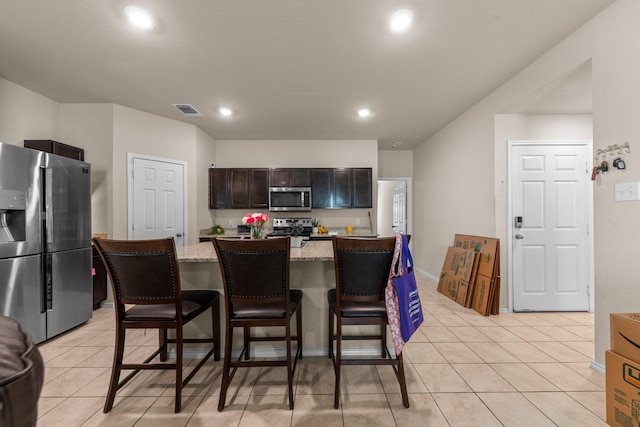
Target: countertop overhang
x=314 y=250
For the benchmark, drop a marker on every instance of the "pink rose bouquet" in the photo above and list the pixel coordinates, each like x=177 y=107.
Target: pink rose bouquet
x=256 y=222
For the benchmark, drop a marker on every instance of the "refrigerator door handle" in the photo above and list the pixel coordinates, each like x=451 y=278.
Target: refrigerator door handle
x=48 y=212
x=48 y=283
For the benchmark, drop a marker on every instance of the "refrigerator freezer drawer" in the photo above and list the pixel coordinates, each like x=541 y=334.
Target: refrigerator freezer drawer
x=70 y=289
x=21 y=295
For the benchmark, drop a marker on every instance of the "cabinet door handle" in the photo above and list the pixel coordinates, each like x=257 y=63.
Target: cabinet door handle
x=179 y=235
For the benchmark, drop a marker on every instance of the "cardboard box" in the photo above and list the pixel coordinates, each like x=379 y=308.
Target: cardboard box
x=482 y=295
x=623 y=390
x=489 y=249
x=625 y=335
x=459 y=263
x=448 y=285
x=461 y=295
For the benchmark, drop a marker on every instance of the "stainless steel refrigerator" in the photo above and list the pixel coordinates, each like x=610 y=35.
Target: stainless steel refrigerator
x=45 y=241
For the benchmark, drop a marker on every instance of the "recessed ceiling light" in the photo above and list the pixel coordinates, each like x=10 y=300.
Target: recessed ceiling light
x=401 y=20
x=365 y=112
x=226 y=112
x=396 y=144
x=139 y=17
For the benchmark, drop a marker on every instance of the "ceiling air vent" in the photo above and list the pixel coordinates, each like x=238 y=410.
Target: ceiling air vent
x=188 y=110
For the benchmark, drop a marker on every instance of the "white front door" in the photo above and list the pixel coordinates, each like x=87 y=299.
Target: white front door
x=550 y=216
x=157 y=195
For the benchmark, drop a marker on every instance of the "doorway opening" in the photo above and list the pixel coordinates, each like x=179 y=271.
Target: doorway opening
x=394 y=206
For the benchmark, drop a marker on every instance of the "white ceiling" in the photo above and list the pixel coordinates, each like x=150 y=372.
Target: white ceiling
x=292 y=69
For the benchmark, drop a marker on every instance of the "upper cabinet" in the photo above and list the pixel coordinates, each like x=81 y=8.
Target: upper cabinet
x=321 y=188
x=55 y=147
x=218 y=190
x=331 y=188
x=238 y=188
x=362 y=188
x=291 y=177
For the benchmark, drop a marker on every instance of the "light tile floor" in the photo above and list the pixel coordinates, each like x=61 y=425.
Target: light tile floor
x=462 y=369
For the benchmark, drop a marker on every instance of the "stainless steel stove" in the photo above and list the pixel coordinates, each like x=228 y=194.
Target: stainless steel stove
x=291 y=227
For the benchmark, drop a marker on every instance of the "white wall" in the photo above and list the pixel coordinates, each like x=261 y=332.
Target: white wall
x=467 y=203
x=90 y=126
x=395 y=163
x=25 y=114
x=138 y=132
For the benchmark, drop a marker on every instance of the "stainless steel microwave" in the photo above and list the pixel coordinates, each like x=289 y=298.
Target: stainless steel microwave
x=289 y=199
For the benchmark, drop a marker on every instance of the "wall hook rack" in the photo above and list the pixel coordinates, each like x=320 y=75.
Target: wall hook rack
x=613 y=150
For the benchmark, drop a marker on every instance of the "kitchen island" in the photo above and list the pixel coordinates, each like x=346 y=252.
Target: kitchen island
x=311 y=271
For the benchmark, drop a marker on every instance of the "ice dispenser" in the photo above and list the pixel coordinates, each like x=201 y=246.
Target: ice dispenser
x=12 y=215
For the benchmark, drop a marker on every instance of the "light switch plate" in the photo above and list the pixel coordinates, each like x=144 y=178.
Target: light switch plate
x=627 y=191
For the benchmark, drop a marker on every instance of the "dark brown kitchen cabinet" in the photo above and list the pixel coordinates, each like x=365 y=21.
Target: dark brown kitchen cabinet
x=321 y=188
x=362 y=188
x=290 y=177
x=218 y=189
x=55 y=147
x=99 y=280
x=238 y=188
x=341 y=188
x=259 y=188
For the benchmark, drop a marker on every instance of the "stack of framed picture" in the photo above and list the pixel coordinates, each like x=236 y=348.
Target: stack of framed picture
x=471 y=273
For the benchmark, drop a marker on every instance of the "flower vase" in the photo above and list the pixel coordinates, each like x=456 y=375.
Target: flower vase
x=257 y=232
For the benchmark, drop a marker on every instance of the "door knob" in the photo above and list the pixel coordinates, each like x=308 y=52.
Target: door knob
x=519 y=236
x=179 y=235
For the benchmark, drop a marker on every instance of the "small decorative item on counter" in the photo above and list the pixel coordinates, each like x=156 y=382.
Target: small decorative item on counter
x=349 y=229
x=315 y=222
x=216 y=229
x=322 y=229
x=256 y=222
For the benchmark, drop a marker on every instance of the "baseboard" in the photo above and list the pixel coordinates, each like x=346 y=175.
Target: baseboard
x=598 y=367
x=429 y=275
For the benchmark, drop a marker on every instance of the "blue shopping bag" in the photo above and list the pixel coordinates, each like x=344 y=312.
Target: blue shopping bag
x=408 y=298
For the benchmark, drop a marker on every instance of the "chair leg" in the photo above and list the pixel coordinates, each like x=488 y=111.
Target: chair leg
x=162 y=344
x=178 y=368
x=247 y=339
x=330 y=347
x=118 y=353
x=228 y=346
x=337 y=361
x=215 y=327
x=299 y=328
x=402 y=381
x=289 y=364
x=383 y=341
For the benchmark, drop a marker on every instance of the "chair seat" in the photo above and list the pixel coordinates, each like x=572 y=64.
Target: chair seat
x=357 y=308
x=266 y=311
x=193 y=303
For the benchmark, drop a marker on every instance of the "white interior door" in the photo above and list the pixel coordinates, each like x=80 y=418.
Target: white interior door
x=550 y=217
x=400 y=207
x=157 y=199
x=393 y=213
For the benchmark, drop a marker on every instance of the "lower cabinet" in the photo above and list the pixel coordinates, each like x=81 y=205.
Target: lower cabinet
x=99 y=280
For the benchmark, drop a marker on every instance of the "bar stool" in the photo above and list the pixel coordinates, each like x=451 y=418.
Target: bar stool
x=145 y=273
x=255 y=274
x=362 y=268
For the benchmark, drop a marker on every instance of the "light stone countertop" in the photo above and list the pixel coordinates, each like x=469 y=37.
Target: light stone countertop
x=316 y=250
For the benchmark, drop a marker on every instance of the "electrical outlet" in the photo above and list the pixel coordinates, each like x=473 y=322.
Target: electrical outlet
x=357 y=221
